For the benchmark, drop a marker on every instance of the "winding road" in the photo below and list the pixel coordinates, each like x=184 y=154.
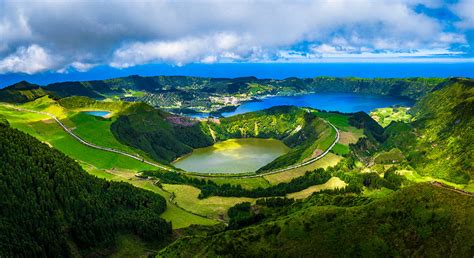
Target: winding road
x=91 y=145
x=304 y=163
x=75 y=136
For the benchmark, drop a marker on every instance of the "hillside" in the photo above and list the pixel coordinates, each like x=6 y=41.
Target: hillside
x=22 y=92
x=324 y=227
x=165 y=137
x=151 y=131
x=440 y=142
x=51 y=207
x=378 y=213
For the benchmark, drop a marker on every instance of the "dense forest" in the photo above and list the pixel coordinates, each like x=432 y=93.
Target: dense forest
x=50 y=207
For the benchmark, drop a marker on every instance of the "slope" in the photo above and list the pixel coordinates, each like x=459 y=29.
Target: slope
x=440 y=142
x=51 y=207
x=394 y=226
x=22 y=92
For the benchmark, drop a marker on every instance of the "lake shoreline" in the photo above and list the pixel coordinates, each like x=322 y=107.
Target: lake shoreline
x=394 y=101
x=223 y=156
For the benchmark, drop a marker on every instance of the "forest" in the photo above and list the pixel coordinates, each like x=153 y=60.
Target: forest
x=51 y=207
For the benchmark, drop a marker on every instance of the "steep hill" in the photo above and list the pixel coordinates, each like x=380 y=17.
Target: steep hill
x=324 y=226
x=22 y=92
x=440 y=141
x=50 y=207
x=152 y=130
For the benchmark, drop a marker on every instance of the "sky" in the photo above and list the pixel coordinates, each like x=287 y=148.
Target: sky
x=61 y=38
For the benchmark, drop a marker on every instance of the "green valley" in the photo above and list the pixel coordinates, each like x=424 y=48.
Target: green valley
x=400 y=179
x=207 y=128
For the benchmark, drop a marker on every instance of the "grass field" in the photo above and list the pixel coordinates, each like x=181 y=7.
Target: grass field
x=415 y=177
x=338 y=120
x=377 y=193
x=340 y=149
x=53 y=134
x=46 y=104
x=97 y=130
x=132 y=246
x=332 y=183
x=178 y=217
x=348 y=133
x=213 y=207
x=327 y=161
x=351 y=137
x=45 y=129
x=384 y=116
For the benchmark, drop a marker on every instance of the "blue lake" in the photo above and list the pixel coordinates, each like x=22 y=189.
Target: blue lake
x=97 y=113
x=342 y=102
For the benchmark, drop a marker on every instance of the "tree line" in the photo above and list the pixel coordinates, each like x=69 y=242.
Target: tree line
x=210 y=188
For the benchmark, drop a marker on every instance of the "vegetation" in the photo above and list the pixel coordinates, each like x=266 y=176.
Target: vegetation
x=439 y=142
x=241 y=215
x=149 y=130
x=214 y=207
x=48 y=202
x=184 y=94
x=166 y=137
x=365 y=198
x=340 y=149
x=21 y=92
x=209 y=188
x=384 y=116
x=349 y=227
x=329 y=160
x=334 y=183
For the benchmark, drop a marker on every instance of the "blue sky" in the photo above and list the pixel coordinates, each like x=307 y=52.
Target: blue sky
x=70 y=37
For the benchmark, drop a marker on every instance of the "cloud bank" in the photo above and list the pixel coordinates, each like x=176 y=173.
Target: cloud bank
x=38 y=36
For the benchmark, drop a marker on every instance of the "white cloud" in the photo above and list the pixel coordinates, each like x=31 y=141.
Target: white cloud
x=465 y=10
x=28 y=60
x=82 y=67
x=333 y=54
x=207 y=49
x=209 y=60
x=128 y=33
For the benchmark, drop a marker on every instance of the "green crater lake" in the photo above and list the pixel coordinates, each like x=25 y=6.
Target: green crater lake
x=233 y=156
